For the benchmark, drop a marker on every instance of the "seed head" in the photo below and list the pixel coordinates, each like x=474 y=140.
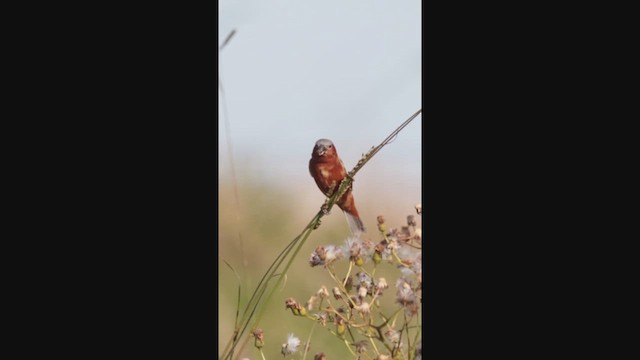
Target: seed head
x=362 y=291
x=323 y=293
x=322 y=317
x=291 y=345
x=333 y=253
x=364 y=308
x=393 y=336
x=336 y=293
x=405 y=295
x=382 y=283
x=318 y=256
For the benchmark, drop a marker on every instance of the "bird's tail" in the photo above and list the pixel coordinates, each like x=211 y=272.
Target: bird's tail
x=355 y=224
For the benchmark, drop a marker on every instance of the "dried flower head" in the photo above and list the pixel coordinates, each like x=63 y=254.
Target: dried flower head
x=416 y=266
x=393 y=335
x=259 y=335
x=290 y=303
x=291 y=345
x=382 y=227
x=296 y=308
x=406 y=296
x=336 y=293
x=411 y=221
x=382 y=250
x=362 y=291
x=323 y=292
x=354 y=247
x=361 y=346
x=318 y=256
x=367 y=245
x=411 y=309
x=364 y=279
x=322 y=318
x=333 y=253
x=419 y=208
x=382 y=283
x=393 y=232
x=411 y=260
x=404 y=234
x=312 y=302
x=392 y=244
x=325 y=255
x=364 y=308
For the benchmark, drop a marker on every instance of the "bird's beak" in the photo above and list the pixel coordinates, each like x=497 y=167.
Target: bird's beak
x=321 y=150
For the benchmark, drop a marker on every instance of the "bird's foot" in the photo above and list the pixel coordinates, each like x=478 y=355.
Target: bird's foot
x=325 y=209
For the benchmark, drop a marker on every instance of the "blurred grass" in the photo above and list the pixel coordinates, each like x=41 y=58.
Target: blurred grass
x=269 y=218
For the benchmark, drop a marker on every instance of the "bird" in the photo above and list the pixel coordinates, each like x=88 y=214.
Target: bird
x=328 y=171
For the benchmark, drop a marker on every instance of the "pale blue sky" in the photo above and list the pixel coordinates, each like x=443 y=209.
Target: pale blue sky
x=297 y=71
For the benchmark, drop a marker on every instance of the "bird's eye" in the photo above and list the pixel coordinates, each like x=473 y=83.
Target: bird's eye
x=330 y=146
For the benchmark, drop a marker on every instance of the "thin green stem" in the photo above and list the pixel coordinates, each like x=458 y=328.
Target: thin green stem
x=306 y=346
x=349 y=347
x=375 y=348
x=348 y=273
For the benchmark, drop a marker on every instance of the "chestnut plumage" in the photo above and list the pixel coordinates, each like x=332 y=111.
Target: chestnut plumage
x=328 y=171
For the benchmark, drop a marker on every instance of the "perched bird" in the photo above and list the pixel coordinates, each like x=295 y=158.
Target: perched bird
x=328 y=171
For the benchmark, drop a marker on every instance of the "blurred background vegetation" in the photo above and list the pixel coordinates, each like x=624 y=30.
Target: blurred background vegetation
x=268 y=217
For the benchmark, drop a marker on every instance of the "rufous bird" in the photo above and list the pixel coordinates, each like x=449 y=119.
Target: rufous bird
x=328 y=171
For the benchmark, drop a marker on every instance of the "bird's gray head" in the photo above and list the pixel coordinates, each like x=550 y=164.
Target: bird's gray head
x=322 y=146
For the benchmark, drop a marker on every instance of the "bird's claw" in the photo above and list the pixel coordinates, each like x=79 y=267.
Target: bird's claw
x=325 y=209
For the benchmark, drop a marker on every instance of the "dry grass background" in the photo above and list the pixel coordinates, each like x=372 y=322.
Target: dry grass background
x=268 y=218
